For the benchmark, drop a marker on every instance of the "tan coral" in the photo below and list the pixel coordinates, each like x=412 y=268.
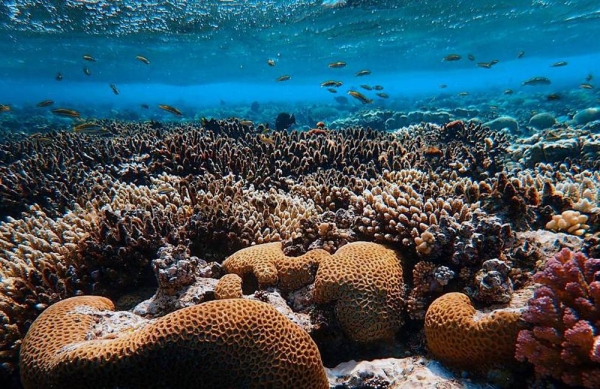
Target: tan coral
x=365 y=281
x=229 y=287
x=271 y=266
x=223 y=343
x=570 y=221
x=463 y=337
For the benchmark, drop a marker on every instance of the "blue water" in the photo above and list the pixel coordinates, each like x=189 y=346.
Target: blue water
x=210 y=57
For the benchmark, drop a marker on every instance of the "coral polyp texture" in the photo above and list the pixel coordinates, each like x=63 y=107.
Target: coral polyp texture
x=365 y=282
x=228 y=287
x=460 y=336
x=271 y=266
x=224 y=343
x=563 y=340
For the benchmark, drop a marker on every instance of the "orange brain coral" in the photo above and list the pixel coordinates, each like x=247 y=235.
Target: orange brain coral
x=229 y=287
x=365 y=281
x=223 y=343
x=460 y=336
x=271 y=266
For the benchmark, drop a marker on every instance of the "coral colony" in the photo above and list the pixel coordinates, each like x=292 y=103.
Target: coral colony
x=273 y=262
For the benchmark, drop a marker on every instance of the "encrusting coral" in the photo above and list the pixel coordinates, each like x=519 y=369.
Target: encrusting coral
x=223 y=343
x=271 y=267
x=365 y=281
x=563 y=341
x=459 y=335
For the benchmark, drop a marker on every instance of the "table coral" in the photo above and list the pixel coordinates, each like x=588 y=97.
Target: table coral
x=365 y=281
x=271 y=267
x=564 y=314
x=224 y=343
x=461 y=336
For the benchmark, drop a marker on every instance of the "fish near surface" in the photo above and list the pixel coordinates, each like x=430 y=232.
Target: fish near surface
x=537 y=81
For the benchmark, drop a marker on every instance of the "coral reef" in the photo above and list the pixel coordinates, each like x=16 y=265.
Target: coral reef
x=224 y=343
x=460 y=336
x=572 y=222
x=271 y=267
x=564 y=316
x=229 y=287
x=365 y=282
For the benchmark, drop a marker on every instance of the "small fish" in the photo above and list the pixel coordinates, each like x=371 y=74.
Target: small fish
x=537 y=81
x=363 y=73
x=367 y=87
x=266 y=139
x=332 y=90
x=263 y=128
x=271 y=62
x=508 y=92
x=142 y=59
x=42 y=139
x=471 y=57
x=247 y=123
x=359 y=96
x=451 y=57
x=338 y=64
x=442 y=86
x=45 y=103
x=4 y=108
x=59 y=76
x=553 y=96
x=589 y=77
x=284 y=121
x=378 y=87
x=486 y=65
x=521 y=54
x=166 y=189
x=331 y=83
x=559 y=64
x=87 y=71
x=145 y=106
x=66 y=112
x=168 y=108
x=461 y=94
x=114 y=89
x=283 y=78
x=383 y=95
x=494 y=61
x=88 y=57
x=586 y=86
x=90 y=128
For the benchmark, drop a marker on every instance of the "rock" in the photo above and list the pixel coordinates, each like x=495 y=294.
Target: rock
x=587 y=115
x=503 y=122
x=405 y=373
x=542 y=120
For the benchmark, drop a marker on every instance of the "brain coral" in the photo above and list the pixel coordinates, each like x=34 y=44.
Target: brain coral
x=228 y=287
x=365 y=281
x=460 y=336
x=222 y=343
x=271 y=266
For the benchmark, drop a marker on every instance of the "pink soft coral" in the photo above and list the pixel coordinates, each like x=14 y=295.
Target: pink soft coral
x=564 y=339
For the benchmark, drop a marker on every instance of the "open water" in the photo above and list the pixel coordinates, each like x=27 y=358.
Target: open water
x=211 y=57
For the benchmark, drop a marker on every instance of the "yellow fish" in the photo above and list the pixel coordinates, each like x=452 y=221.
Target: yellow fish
x=338 y=64
x=168 y=108
x=142 y=59
x=4 y=108
x=359 y=96
x=267 y=140
x=66 y=112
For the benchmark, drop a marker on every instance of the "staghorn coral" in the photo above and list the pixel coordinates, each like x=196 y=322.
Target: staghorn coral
x=365 y=282
x=564 y=318
x=229 y=287
x=460 y=336
x=225 y=343
x=271 y=266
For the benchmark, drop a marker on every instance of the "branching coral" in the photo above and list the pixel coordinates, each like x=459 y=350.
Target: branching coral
x=223 y=343
x=565 y=319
